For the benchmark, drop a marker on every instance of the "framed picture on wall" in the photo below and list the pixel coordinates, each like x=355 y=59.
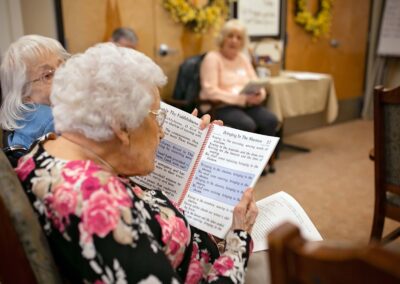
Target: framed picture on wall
x=261 y=17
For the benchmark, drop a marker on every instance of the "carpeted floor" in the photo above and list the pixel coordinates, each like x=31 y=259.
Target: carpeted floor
x=334 y=183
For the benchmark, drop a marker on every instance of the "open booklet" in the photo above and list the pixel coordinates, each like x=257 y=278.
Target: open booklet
x=207 y=171
x=254 y=86
x=276 y=209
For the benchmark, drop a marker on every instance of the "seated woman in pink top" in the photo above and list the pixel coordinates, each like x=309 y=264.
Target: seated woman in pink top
x=223 y=75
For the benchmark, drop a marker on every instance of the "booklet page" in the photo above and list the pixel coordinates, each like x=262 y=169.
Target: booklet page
x=276 y=209
x=255 y=86
x=231 y=162
x=176 y=153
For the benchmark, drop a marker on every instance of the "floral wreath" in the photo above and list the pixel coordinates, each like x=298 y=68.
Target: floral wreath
x=318 y=25
x=197 y=19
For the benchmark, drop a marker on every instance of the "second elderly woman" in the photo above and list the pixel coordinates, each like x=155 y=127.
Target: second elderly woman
x=26 y=73
x=223 y=75
x=102 y=227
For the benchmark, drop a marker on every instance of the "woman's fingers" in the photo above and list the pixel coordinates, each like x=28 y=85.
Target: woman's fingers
x=218 y=122
x=245 y=212
x=251 y=216
x=205 y=121
x=195 y=112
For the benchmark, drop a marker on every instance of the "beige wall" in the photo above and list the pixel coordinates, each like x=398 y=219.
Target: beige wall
x=19 y=17
x=86 y=23
x=10 y=23
x=39 y=17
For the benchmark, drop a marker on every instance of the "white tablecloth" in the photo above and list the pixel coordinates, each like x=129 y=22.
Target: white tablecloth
x=310 y=93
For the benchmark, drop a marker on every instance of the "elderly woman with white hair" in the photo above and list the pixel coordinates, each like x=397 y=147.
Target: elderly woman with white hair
x=26 y=74
x=102 y=227
x=223 y=75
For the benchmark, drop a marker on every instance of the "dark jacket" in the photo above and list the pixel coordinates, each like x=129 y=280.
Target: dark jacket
x=188 y=84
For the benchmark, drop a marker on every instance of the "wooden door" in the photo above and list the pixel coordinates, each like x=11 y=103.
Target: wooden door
x=346 y=61
x=85 y=23
x=182 y=43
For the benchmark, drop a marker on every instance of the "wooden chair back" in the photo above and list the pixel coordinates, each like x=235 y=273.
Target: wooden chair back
x=295 y=260
x=24 y=253
x=387 y=160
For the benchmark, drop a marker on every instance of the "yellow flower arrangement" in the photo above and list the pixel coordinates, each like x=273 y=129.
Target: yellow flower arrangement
x=195 y=18
x=318 y=25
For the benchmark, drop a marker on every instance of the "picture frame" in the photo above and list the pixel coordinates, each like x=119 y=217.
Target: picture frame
x=263 y=18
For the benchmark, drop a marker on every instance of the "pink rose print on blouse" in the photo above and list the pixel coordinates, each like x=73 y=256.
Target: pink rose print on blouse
x=118 y=191
x=90 y=185
x=61 y=203
x=74 y=170
x=175 y=236
x=205 y=256
x=25 y=166
x=65 y=200
x=195 y=271
x=223 y=265
x=195 y=251
x=100 y=214
x=57 y=222
x=138 y=191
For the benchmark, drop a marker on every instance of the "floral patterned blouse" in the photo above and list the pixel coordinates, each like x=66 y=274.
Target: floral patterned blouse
x=104 y=229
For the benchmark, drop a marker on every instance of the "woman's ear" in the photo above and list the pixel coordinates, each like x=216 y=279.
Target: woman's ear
x=122 y=135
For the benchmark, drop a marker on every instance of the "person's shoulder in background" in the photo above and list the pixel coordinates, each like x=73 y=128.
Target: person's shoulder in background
x=244 y=57
x=36 y=123
x=213 y=55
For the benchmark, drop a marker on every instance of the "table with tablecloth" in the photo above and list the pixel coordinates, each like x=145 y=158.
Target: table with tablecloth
x=300 y=93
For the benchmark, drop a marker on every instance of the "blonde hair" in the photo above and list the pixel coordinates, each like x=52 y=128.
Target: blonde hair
x=229 y=26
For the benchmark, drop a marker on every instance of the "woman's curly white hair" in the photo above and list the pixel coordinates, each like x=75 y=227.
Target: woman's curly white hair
x=105 y=87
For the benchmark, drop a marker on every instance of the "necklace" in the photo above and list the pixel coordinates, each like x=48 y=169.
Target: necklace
x=91 y=153
x=219 y=243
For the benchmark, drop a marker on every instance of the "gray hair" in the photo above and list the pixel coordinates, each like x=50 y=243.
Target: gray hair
x=13 y=75
x=229 y=26
x=106 y=86
x=126 y=33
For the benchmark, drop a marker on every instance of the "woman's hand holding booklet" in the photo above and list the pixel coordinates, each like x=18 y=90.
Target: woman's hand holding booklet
x=254 y=86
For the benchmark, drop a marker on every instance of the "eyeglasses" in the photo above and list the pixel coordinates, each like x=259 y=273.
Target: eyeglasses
x=160 y=114
x=46 y=77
